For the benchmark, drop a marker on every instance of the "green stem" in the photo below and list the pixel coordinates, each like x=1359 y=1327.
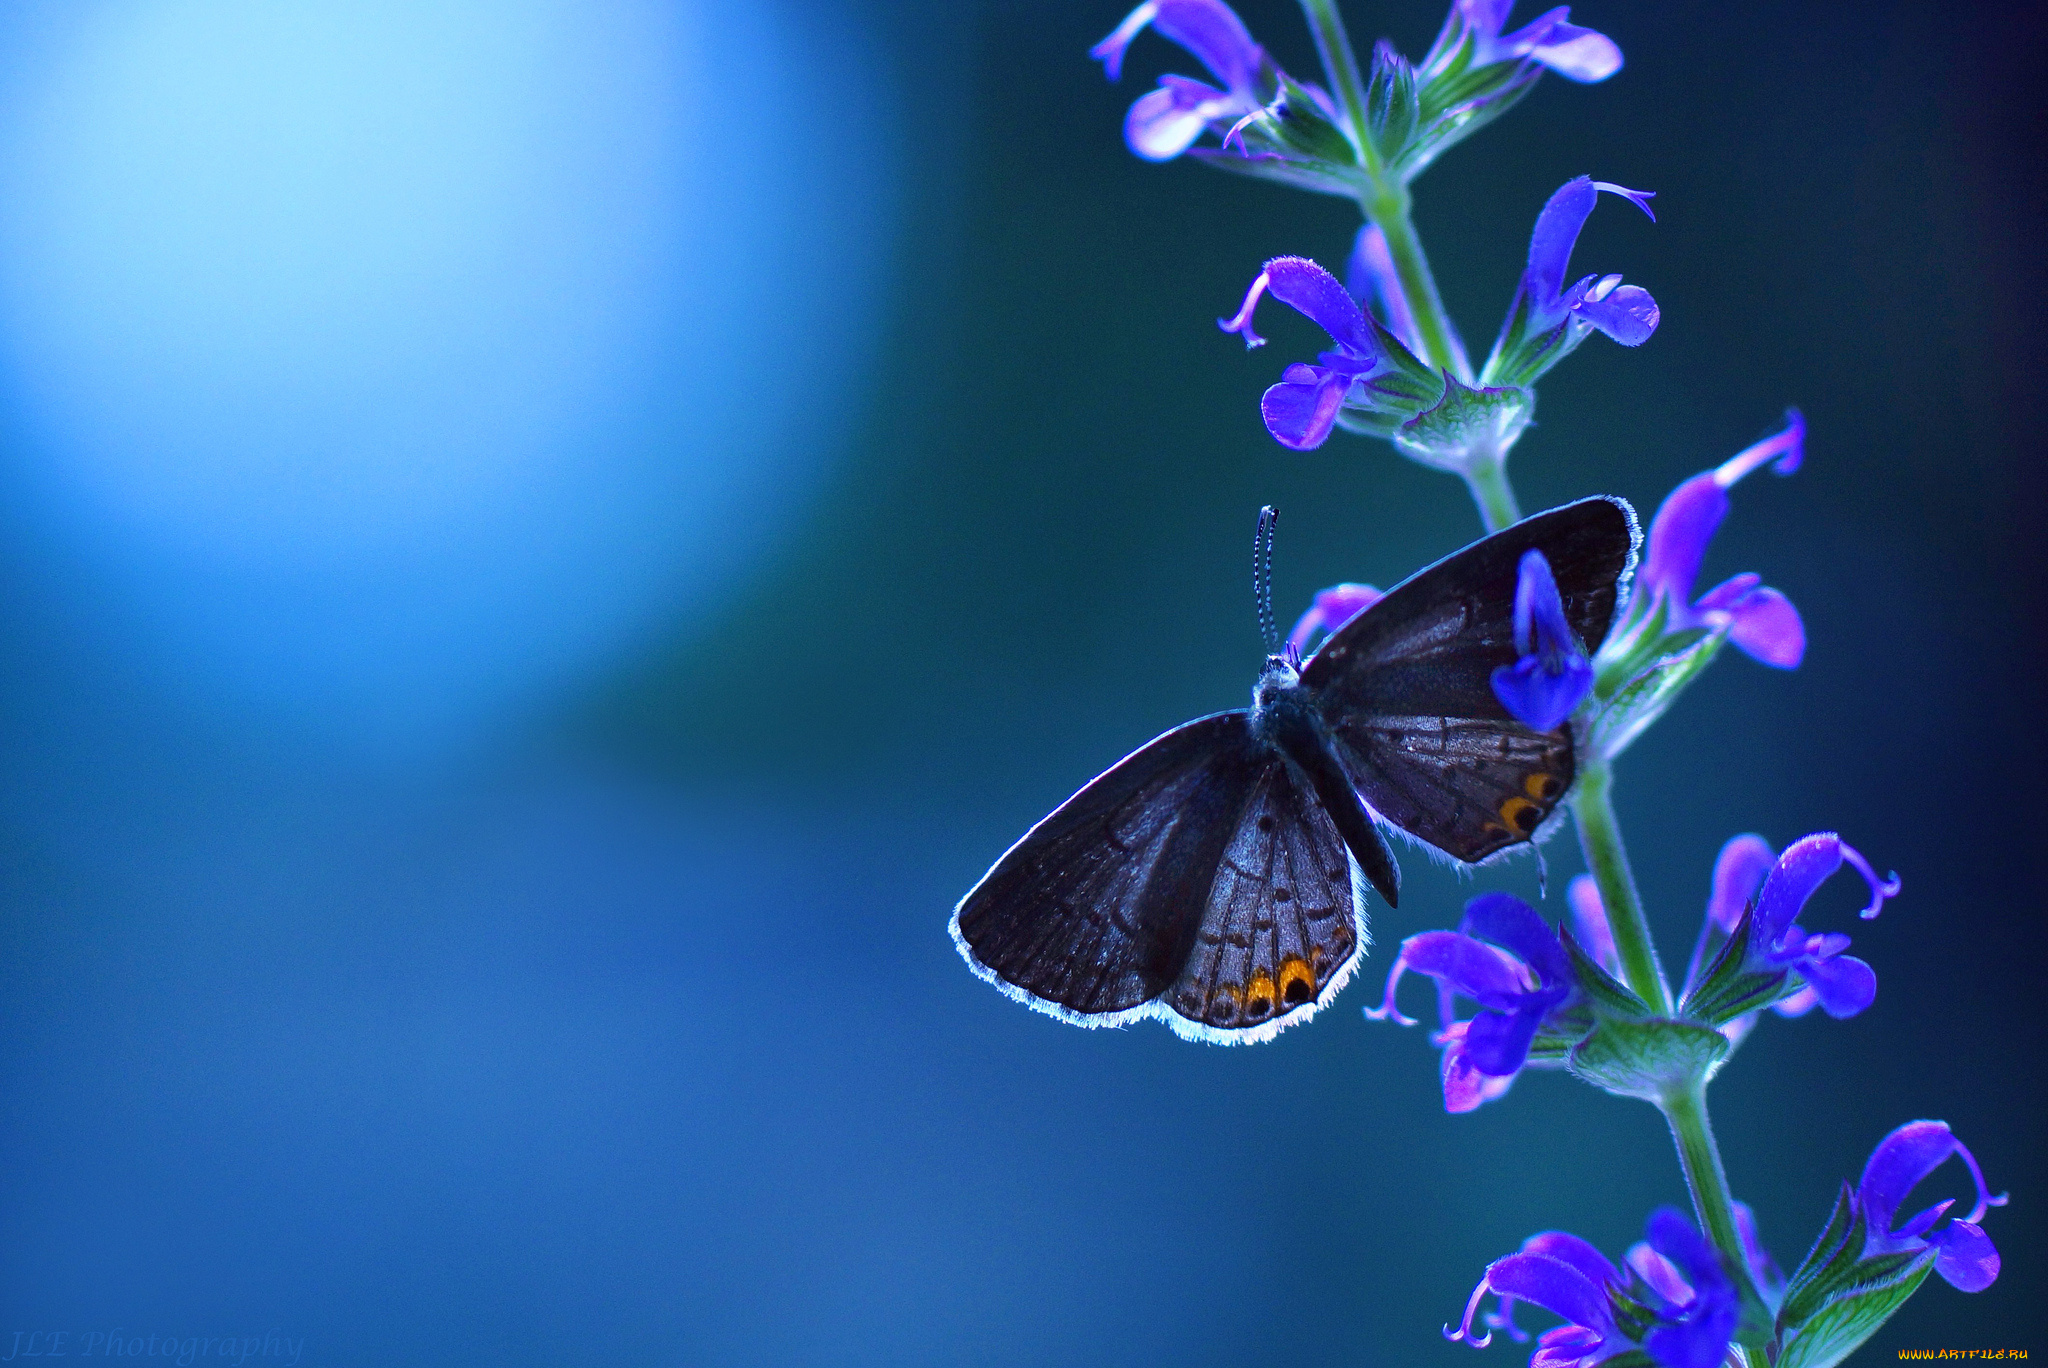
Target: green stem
x=1488 y=481
x=1686 y=1112
x=1384 y=198
x=1607 y=858
x=1386 y=204
x=1338 y=60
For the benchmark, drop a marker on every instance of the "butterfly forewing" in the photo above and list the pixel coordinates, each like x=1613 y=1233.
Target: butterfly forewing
x=1095 y=910
x=1284 y=919
x=1407 y=690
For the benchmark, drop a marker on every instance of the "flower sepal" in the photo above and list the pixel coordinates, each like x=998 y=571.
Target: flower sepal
x=1607 y=994
x=1653 y=1058
x=1837 y=1299
x=1466 y=424
x=1734 y=986
x=1640 y=672
x=1299 y=127
x=1459 y=92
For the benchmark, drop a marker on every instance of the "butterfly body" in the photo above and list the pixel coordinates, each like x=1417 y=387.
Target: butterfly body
x=1216 y=877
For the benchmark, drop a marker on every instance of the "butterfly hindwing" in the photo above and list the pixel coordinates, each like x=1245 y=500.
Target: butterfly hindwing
x=1283 y=923
x=1092 y=914
x=1407 y=690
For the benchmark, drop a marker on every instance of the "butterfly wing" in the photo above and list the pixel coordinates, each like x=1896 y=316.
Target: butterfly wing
x=1092 y=914
x=1407 y=686
x=1284 y=921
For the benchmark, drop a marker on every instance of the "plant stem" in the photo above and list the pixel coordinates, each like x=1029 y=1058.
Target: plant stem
x=1686 y=1112
x=1488 y=481
x=1386 y=204
x=1607 y=858
x=1384 y=198
x=1342 y=65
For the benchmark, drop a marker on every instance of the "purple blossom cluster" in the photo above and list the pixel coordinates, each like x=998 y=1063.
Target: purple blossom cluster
x=1514 y=990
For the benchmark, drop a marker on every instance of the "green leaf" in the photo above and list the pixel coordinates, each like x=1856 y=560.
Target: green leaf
x=1651 y=1059
x=1465 y=421
x=1840 y=1327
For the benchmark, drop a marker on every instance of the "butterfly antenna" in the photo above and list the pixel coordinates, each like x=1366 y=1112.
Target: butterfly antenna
x=1262 y=576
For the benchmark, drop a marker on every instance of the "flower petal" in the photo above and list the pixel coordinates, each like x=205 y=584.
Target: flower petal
x=1897 y=1165
x=1497 y=1043
x=1767 y=627
x=1539 y=696
x=1300 y=411
x=1700 y=1338
x=1332 y=608
x=1578 y=1253
x=1628 y=314
x=1739 y=872
x=1571 y=51
x=1554 y=1285
x=1806 y=864
x=1212 y=31
x=1110 y=51
x=1966 y=1257
x=1685 y=523
x=1543 y=687
x=1557 y=232
x=1515 y=926
x=1842 y=984
x=1579 y=54
x=1589 y=915
x=1466 y=966
x=1309 y=288
x=1163 y=123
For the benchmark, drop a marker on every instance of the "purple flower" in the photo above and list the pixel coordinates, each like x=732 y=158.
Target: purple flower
x=1749 y=881
x=1841 y=984
x=1589 y=915
x=1547 y=319
x=1332 y=608
x=1570 y=51
x=1963 y=1253
x=1503 y=957
x=1760 y=620
x=1166 y=121
x=1681 y=1300
x=1360 y=369
x=1553 y=672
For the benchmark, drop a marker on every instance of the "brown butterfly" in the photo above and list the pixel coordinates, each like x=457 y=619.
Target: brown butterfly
x=1214 y=878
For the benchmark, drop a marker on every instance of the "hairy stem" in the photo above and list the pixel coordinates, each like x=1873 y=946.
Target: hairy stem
x=1488 y=481
x=1686 y=1111
x=1386 y=204
x=1607 y=858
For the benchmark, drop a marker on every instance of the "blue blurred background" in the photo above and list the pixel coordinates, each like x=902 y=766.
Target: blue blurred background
x=543 y=545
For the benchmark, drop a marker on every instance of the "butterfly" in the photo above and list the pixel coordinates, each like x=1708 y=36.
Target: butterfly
x=1214 y=878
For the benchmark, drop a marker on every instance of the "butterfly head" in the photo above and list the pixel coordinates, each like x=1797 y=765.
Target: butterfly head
x=1281 y=676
